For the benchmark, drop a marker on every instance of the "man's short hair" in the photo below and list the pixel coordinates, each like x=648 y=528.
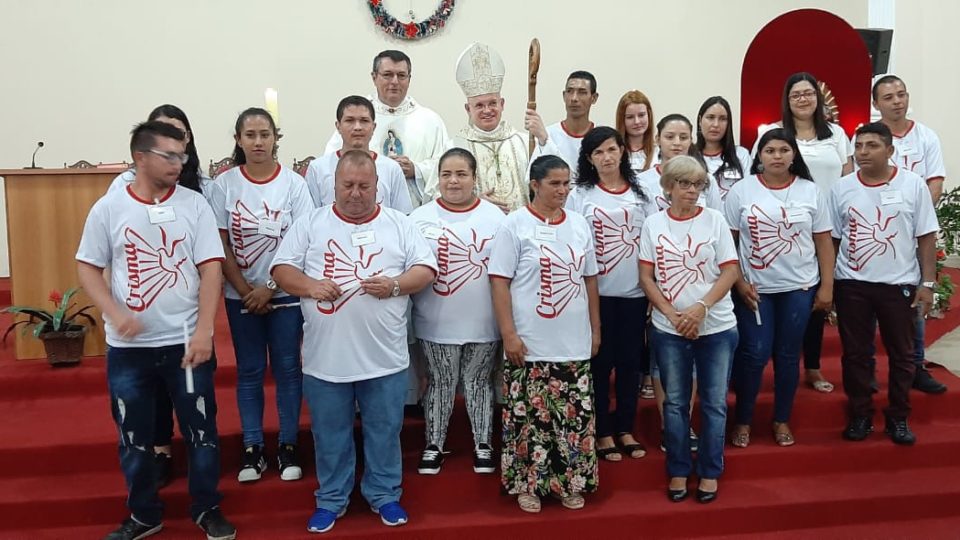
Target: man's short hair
x=355 y=101
x=143 y=137
x=356 y=158
x=877 y=128
x=396 y=56
x=886 y=79
x=587 y=76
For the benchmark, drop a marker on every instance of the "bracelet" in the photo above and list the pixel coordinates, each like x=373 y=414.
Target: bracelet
x=706 y=308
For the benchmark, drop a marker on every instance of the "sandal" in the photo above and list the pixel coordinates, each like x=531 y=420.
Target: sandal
x=822 y=386
x=634 y=450
x=529 y=503
x=782 y=434
x=646 y=391
x=740 y=437
x=610 y=454
x=573 y=502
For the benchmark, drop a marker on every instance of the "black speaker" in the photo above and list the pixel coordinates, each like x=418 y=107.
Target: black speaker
x=878 y=42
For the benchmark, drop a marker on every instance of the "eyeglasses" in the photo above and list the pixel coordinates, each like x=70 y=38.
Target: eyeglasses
x=808 y=95
x=687 y=184
x=389 y=75
x=171 y=158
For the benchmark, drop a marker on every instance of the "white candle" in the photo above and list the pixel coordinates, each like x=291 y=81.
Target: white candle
x=188 y=371
x=270 y=98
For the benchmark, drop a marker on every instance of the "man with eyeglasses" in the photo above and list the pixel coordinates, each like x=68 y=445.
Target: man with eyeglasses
x=161 y=244
x=579 y=96
x=407 y=132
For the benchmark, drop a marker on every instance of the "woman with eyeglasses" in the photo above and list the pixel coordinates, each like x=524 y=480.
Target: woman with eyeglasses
x=781 y=221
x=726 y=161
x=688 y=263
x=675 y=138
x=827 y=152
x=255 y=203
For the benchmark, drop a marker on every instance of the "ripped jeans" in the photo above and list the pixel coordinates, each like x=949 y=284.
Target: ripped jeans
x=133 y=376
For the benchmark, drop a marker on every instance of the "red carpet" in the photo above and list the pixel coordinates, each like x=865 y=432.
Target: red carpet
x=61 y=477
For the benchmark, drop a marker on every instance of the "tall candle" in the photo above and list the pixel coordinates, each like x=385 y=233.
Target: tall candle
x=270 y=97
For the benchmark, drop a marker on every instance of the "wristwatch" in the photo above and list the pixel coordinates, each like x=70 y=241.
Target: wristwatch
x=396 y=288
x=929 y=284
x=271 y=284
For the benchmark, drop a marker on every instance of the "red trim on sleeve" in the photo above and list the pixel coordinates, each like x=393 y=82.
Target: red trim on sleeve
x=932 y=178
x=646 y=262
x=139 y=200
x=214 y=259
x=476 y=203
x=731 y=261
x=498 y=276
x=276 y=173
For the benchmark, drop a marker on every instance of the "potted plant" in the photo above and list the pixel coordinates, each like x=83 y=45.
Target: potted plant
x=60 y=330
x=948 y=215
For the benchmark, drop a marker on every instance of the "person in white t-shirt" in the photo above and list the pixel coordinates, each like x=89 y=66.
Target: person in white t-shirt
x=543 y=274
x=255 y=203
x=826 y=150
x=726 y=161
x=579 y=96
x=191 y=177
x=453 y=319
x=159 y=240
x=688 y=265
x=608 y=196
x=675 y=138
x=355 y=126
x=634 y=118
x=781 y=220
x=886 y=229
x=916 y=148
x=353 y=264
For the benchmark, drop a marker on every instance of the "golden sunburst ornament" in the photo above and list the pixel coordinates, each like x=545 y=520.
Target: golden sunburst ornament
x=830 y=108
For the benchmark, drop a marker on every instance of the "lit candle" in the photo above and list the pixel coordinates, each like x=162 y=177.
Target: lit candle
x=270 y=97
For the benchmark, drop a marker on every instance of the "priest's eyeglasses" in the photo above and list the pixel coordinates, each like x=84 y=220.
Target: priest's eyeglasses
x=389 y=75
x=171 y=157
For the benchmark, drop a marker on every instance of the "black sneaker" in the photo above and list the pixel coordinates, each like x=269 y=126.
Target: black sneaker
x=431 y=460
x=483 y=459
x=924 y=382
x=253 y=464
x=132 y=529
x=216 y=526
x=899 y=431
x=287 y=462
x=694 y=441
x=162 y=467
x=663 y=443
x=858 y=428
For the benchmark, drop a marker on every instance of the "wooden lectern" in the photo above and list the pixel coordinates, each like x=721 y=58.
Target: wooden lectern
x=46 y=210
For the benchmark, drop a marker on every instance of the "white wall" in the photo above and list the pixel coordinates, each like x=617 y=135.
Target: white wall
x=79 y=74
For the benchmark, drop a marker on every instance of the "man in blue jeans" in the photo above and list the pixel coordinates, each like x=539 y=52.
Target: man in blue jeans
x=353 y=264
x=160 y=242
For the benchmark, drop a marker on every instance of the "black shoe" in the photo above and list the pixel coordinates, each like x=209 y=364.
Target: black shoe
x=858 y=429
x=677 y=495
x=899 y=431
x=431 y=460
x=694 y=441
x=287 y=462
x=253 y=464
x=706 y=497
x=132 y=529
x=162 y=467
x=483 y=462
x=924 y=382
x=216 y=526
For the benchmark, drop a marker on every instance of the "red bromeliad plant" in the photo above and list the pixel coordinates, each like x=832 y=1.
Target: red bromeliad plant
x=63 y=318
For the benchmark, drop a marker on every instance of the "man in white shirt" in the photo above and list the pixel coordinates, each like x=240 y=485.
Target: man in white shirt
x=409 y=133
x=885 y=229
x=356 y=125
x=501 y=150
x=916 y=149
x=353 y=264
x=579 y=95
x=161 y=244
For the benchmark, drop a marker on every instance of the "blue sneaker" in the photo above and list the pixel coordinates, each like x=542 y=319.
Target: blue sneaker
x=323 y=520
x=392 y=514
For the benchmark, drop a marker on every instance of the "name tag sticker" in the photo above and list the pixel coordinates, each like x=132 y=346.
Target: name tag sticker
x=546 y=234
x=807 y=150
x=269 y=227
x=161 y=214
x=797 y=215
x=732 y=174
x=891 y=197
x=907 y=150
x=432 y=233
x=362 y=238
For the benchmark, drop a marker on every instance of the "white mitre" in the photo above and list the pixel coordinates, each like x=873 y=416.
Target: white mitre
x=480 y=71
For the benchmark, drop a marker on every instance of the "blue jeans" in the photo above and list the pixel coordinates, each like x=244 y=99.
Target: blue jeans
x=784 y=319
x=253 y=335
x=133 y=376
x=333 y=408
x=713 y=357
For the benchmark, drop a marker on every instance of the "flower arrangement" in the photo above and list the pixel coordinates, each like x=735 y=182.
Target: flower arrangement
x=411 y=30
x=63 y=318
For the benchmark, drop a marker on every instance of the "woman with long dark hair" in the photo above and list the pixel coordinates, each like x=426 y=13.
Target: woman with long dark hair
x=726 y=161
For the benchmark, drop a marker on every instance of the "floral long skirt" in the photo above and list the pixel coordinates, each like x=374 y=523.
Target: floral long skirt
x=549 y=433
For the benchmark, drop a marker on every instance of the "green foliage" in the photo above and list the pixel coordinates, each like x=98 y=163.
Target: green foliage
x=63 y=317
